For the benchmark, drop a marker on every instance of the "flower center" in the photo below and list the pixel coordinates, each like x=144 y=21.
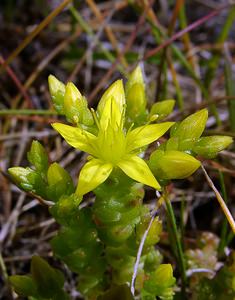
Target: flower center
x=111 y=144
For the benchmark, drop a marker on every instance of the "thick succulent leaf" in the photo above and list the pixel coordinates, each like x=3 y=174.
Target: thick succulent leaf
x=172 y=164
x=23 y=285
x=117 y=292
x=37 y=156
x=49 y=281
x=209 y=146
x=192 y=127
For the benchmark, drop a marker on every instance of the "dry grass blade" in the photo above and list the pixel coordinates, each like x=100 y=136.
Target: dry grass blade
x=35 y=32
x=220 y=200
x=184 y=31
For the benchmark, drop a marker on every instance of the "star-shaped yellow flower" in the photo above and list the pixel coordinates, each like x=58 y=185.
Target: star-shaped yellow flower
x=113 y=146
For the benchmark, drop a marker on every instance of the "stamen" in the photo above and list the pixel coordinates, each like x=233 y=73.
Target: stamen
x=95 y=118
x=130 y=128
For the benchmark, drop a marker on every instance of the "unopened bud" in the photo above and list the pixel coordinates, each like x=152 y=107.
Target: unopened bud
x=172 y=164
x=57 y=91
x=75 y=106
x=116 y=91
x=135 y=94
x=162 y=109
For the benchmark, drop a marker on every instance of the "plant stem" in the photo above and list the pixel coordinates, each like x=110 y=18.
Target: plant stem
x=224 y=230
x=3 y=268
x=182 y=210
x=180 y=257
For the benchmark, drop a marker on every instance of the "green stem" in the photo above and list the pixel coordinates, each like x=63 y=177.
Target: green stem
x=181 y=259
x=6 y=112
x=3 y=268
x=182 y=210
x=224 y=230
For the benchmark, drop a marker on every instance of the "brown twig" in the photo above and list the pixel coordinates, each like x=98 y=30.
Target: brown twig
x=17 y=82
x=35 y=32
x=126 y=48
x=180 y=33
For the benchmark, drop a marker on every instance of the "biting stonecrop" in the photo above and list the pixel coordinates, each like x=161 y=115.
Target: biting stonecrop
x=117 y=134
x=112 y=145
x=99 y=242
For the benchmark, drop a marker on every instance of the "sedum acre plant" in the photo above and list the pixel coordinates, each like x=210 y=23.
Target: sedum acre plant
x=101 y=242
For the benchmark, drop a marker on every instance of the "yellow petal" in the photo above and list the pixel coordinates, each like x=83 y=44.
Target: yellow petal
x=76 y=137
x=116 y=90
x=137 y=169
x=144 y=135
x=93 y=173
x=111 y=115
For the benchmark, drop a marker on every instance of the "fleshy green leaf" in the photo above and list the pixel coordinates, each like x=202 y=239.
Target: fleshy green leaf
x=23 y=285
x=60 y=182
x=49 y=281
x=27 y=179
x=137 y=169
x=65 y=210
x=155 y=230
x=37 y=156
x=120 y=292
x=161 y=282
x=172 y=164
x=144 y=135
x=209 y=146
x=93 y=173
x=192 y=127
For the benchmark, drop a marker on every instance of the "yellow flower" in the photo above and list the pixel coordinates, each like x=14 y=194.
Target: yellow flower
x=113 y=146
